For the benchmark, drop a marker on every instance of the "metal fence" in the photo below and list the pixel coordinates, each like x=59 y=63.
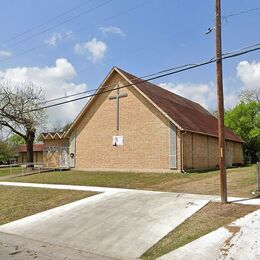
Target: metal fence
x=21 y=169
x=258 y=177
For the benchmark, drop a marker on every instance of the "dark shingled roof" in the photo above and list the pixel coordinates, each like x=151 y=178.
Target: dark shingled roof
x=190 y=116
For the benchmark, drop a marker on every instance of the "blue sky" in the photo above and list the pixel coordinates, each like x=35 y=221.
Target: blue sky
x=141 y=37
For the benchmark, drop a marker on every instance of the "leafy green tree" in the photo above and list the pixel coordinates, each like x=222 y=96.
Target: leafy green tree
x=6 y=152
x=16 y=140
x=244 y=120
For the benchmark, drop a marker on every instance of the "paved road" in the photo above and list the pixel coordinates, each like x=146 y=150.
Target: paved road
x=120 y=224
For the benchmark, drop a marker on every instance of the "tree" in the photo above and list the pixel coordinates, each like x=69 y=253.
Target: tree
x=19 y=104
x=66 y=127
x=244 y=120
x=250 y=95
x=16 y=140
x=58 y=126
x=6 y=152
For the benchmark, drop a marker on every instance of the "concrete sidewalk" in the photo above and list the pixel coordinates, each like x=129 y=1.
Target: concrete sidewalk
x=214 y=198
x=239 y=240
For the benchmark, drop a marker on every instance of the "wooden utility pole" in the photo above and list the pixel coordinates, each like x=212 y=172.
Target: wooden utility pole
x=221 y=133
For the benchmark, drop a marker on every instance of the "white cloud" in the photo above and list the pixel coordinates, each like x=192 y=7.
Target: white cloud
x=201 y=93
x=5 y=54
x=56 y=82
x=56 y=38
x=113 y=30
x=249 y=74
x=94 y=50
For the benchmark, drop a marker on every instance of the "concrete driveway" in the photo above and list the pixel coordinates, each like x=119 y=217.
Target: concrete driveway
x=118 y=223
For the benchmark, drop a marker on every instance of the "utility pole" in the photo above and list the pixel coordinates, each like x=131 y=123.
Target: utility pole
x=221 y=133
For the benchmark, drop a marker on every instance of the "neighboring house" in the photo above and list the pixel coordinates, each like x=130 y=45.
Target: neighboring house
x=37 y=153
x=143 y=127
x=55 y=150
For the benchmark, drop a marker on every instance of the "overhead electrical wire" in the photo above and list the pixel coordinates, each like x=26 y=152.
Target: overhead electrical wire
x=57 y=25
x=92 y=90
x=225 y=17
x=83 y=28
x=46 y=22
x=185 y=68
x=156 y=73
x=79 y=30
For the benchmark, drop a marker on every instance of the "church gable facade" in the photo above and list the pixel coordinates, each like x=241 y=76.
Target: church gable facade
x=142 y=131
x=143 y=127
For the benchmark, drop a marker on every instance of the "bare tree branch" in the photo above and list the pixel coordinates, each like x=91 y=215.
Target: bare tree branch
x=250 y=95
x=15 y=99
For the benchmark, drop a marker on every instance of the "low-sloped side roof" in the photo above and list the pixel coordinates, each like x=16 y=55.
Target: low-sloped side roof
x=189 y=115
x=36 y=148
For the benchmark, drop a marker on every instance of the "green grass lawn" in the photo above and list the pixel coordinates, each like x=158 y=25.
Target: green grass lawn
x=209 y=218
x=10 y=170
x=241 y=181
x=19 y=202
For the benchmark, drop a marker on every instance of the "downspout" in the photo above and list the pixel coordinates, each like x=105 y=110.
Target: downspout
x=182 y=152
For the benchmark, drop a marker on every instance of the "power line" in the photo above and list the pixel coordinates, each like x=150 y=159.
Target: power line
x=123 y=86
x=153 y=74
x=225 y=17
x=241 y=49
x=46 y=22
x=57 y=25
x=79 y=30
x=149 y=79
x=92 y=90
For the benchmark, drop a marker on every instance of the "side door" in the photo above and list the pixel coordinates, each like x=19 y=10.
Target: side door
x=64 y=162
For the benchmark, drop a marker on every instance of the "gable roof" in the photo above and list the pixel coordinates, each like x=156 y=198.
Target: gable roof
x=184 y=113
x=189 y=115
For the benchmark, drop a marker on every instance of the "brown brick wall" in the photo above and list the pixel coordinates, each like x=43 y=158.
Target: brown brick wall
x=37 y=157
x=213 y=152
x=187 y=150
x=238 y=153
x=145 y=131
x=201 y=152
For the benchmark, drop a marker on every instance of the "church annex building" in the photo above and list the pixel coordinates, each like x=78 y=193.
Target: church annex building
x=141 y=127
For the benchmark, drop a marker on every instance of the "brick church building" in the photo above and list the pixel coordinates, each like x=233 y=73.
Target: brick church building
x=142 y=127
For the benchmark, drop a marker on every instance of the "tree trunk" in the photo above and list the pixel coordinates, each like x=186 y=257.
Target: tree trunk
x=29 y=141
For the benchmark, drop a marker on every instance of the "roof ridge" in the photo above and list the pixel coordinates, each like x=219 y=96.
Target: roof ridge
x=164 y=89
